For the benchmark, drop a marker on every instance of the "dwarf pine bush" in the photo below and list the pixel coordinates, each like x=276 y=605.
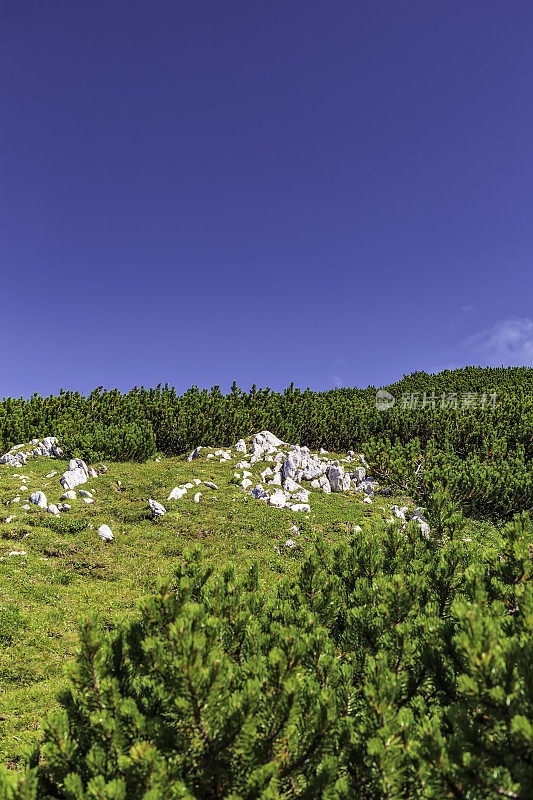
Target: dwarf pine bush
x=393 y=667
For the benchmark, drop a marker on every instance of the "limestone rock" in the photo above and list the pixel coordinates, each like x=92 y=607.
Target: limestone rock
x=177 y=493
x=76 y=474
x=39 y=498
x=157 y=509
x=278 y=500
x=105 y=533
x=195 y=454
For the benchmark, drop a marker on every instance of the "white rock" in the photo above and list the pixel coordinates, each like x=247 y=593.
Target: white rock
x=290 y=485
x=16 y=499
x=70 y=495
x=85 y=493
x=258 y=492
x=197 y=497
x=51 y=474
x=23 y=488
x=358 y=474
x=300 y=507
x=339 y=480
x=264 y=442
x=266 y=473
x=105 y=533
x=323 y=452
x=240 y=447
x=177 y=493
x=157 y=509
x=65 y=507
x=39 y=498
x=276 y=479
x=188 y=485
x=195 y=454
x=93 y=473
x=242 y=465
x=8 y=519
x=367 y=499
x=290 y=543
x=292 y=462
x=278 y=500
x=76 y=474
x=17 y=553
x=246 y=482
x=302 y=496
x=315 y=484
x=88 y=500
x=26 y=506
x=247 y=474
x=196 y=481
x=211 y=485
x=53 y=509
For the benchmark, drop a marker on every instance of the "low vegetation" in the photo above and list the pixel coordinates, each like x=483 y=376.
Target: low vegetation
x=198 y=656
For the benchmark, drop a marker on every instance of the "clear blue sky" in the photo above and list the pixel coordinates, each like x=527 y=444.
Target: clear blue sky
x=320 y=192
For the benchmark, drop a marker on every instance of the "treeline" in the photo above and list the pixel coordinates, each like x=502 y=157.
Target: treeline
x=391 y=667
x=469 y=429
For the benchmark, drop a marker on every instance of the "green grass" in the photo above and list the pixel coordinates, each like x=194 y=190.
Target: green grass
x=69 y=573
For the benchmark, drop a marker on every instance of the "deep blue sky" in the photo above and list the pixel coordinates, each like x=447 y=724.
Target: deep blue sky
x=320 y=192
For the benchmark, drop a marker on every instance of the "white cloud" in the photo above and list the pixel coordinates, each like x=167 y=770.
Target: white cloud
x=467 y=308
x=508 y=342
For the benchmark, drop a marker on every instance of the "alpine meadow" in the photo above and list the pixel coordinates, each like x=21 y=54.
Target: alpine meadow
x=343 y=609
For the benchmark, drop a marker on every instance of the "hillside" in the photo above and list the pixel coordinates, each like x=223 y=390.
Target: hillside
x=338 y=535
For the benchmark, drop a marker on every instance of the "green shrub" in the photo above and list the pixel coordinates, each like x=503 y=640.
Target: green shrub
x=392 y=668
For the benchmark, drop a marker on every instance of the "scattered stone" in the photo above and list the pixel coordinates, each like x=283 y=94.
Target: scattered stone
x=301 y=507
x=157 y=509
x=88 y=500
x=76 y=474
x=70 y=495
x=85 y=493
x=39 y=498
x=17 y=553
x=197 y=497
x=264 y=442
x=258 y=492
x=53 y=509
x=195 y=454
x=211 y=485
x=290 y=543
x=51 y=474
x=196 y=481
x=278 y=500
x=339 y=480
x=241 y=446
x=290 y=485
x=177 y=493
x=367 y=499
x=92 y=472
x=189 y=485
x=105 y=533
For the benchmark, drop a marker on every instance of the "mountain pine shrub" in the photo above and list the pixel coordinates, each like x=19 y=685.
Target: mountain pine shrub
x=392 y=667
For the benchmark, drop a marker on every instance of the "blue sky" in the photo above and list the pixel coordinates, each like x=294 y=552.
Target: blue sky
x=327 y=193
